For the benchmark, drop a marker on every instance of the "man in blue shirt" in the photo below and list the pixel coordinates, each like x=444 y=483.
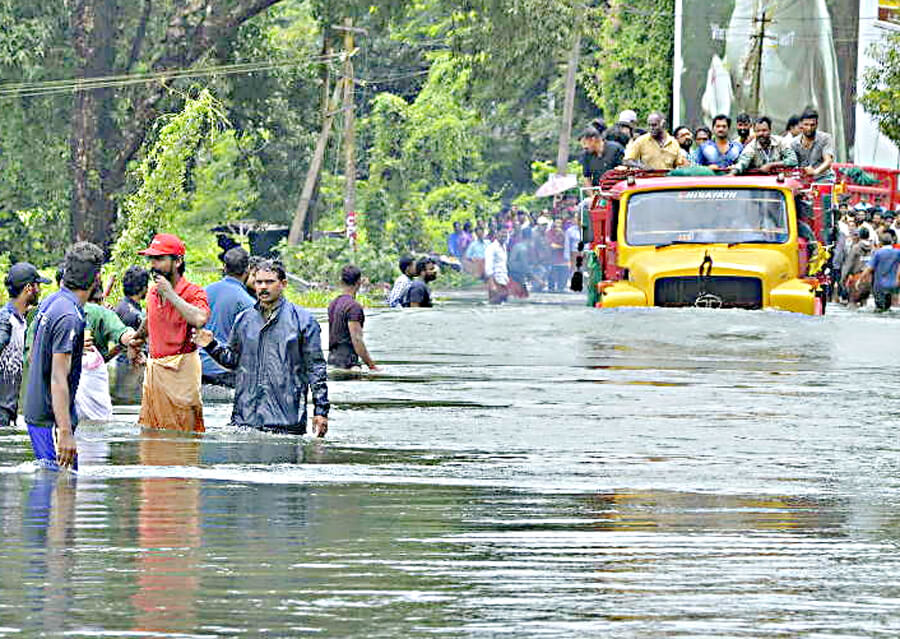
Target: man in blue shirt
x=453 y=244
x=227 y=299
x=720 y=151
x=56 y=360
x=882 y=269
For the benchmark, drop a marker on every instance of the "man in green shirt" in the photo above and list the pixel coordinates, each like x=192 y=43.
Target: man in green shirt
x=765 y=152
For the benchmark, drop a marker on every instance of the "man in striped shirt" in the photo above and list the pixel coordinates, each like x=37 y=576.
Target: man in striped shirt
x=407 y=272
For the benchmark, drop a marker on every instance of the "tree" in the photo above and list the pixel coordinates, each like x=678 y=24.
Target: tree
x=881 y=83
x=101 y=144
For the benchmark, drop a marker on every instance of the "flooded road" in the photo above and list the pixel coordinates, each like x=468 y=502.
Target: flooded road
x=535 y=470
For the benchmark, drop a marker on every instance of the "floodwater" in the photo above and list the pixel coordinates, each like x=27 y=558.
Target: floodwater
x=535 y=470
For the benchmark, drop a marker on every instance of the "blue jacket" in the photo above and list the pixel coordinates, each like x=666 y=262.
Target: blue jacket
x=276 y=362
x=227 y=298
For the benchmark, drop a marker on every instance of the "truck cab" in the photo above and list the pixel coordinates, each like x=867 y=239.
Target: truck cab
x=705 y=241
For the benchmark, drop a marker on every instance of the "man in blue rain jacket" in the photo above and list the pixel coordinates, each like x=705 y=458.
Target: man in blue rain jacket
x=275 y=349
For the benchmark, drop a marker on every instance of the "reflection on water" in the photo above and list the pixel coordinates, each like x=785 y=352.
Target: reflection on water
x=169 y=536
x=532 y=470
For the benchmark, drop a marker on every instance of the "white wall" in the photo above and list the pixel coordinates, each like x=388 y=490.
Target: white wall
x=871 y=148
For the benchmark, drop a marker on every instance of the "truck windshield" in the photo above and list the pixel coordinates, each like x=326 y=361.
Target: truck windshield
x=706 y=216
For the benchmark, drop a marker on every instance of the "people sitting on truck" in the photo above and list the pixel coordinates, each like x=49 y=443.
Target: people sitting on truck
x=858 y=288
x=702 y=135
x=814 y=148
x=766 y=152
x=720 y=151
x=599 y=156
x=656 y=149
x=744 y=126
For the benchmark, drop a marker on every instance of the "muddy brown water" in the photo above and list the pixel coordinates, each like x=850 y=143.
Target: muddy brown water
x=535 y=470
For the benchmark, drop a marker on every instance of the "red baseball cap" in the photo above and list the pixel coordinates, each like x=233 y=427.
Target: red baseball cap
x=164 y=244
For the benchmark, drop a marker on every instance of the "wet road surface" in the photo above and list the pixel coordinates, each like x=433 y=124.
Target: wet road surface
x=540 y=469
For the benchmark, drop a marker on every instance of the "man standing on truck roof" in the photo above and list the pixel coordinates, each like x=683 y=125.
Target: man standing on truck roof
x=814 y=148
x=720 y=151
x=766 y=152
x=656 y=149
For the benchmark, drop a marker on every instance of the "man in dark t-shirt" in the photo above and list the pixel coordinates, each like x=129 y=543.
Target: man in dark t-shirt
x=418 y=293
x=134 y=289
x=56 y=360
x=346 y=345
x=599 y=155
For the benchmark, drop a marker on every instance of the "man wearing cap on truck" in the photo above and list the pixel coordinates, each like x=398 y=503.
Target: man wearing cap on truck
x=170 y=397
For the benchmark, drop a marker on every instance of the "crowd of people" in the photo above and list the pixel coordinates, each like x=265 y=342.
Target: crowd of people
x=240 y=333
x=517 y=251
x=866 y=256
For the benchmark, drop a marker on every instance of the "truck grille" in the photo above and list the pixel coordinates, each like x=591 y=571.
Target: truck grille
x=734 y=292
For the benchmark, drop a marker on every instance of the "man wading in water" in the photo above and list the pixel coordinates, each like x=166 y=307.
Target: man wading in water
x=56 y=360
x=171 y=394
x=346 y=345
x=275 y=349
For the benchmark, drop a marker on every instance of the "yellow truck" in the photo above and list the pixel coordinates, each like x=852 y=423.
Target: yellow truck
x=706 y=241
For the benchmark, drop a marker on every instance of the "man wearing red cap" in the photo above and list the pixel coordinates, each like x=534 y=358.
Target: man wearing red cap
x=175 y=307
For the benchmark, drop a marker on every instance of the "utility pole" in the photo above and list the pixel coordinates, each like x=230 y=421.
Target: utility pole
x=760 y=36
x=343 y=87
x=349 y=125
x=312 y=175
x=565 y=129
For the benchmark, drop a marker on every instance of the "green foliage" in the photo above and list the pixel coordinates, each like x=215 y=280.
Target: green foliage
x=441 y=144
x=223 y=190
x=881 y=83
x=631 y=63
x=455 y=203
x=24 y=34
x=163 y=195
x=320 y=262
x=5 y=263
x=33 y=235
x=193 y=177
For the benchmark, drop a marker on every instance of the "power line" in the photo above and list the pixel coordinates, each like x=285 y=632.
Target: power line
x=71 y=85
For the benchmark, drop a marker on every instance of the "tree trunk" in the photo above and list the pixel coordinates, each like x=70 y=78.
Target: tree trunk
x=93 y=131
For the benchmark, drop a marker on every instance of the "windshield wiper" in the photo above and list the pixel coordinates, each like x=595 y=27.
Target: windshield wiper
x=676 y=242
x=733 y=244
